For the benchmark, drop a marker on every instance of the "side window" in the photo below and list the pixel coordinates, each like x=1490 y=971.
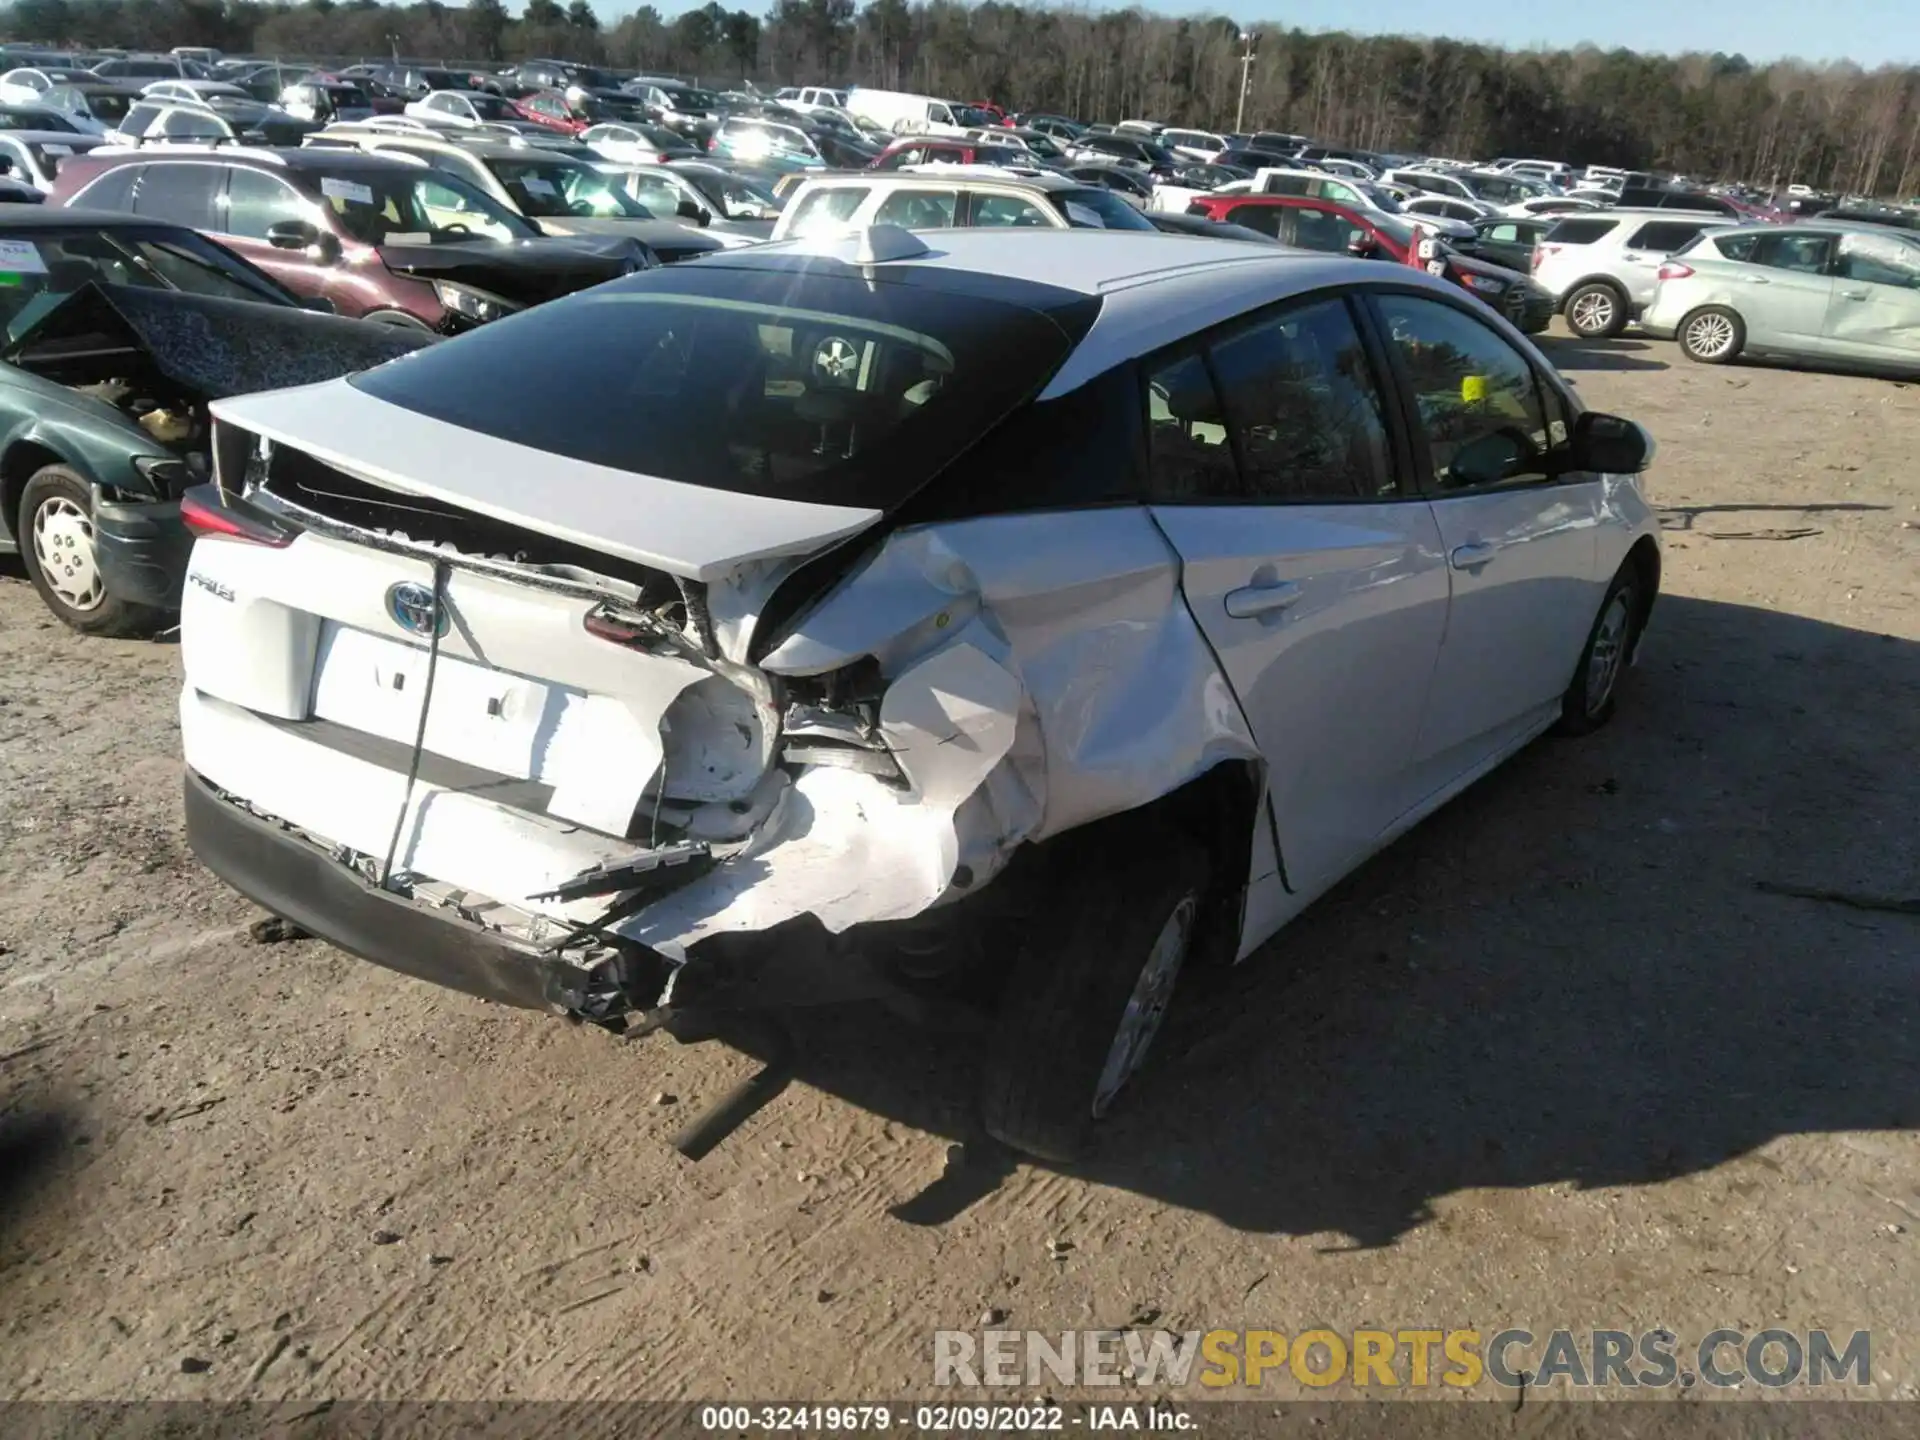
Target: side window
x=660 y=196
x=825 y=210
x=138 y=118
x=1304 y=406
x=1482 y=414
x=1264 y=218
x=1879 y=260
x=1503 y=232
x=1006 y=210
x=1320 y=230
x=918 y=209
x=1578 y=232
x=112 y=191
x=1663 y=237
x=1289 y=185
x=1188 y=457
x=1807 y=254
x=257 y=201
x=182 y=194
x=1742 y=248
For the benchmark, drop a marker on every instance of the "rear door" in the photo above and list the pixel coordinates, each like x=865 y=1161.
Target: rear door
x=1782 y=282
x=1520 y=547
x=1317 y=576
x=1647 y=249
x=181 y=192
x=1874 y=313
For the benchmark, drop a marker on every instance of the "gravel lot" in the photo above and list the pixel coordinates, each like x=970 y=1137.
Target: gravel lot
x=1553 y=1060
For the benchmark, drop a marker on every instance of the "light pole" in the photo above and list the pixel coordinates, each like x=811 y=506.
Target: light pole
x=1247 y=37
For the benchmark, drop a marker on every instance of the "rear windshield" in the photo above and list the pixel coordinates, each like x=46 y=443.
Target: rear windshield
x=1094 y=208
x=812 y=385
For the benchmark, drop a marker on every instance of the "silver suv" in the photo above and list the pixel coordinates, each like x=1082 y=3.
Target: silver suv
x=1603 y=269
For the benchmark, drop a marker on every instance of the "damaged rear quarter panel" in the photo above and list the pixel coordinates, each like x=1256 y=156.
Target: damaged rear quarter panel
x=1042 y=672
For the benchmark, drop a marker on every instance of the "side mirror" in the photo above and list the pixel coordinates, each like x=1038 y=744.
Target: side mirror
x=1608 y=445
x=1362 y=246
x=693 y=210
x=304 y=235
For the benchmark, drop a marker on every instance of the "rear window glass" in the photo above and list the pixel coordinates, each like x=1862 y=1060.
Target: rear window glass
x=1578 y=232
x=809 y=386
x=1665 y=236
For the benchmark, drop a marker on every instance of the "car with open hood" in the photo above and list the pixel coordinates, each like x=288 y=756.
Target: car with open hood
x=378 y=237
x=1025 y=615
x=118 y=332
x=556 y=193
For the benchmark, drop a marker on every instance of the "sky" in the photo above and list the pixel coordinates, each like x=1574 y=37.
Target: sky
x=1869 y=32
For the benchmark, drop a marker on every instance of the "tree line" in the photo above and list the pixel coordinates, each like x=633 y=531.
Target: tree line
x=1711 y=117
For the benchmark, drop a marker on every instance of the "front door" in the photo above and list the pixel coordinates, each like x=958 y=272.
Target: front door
x=1315 y=575
x=1874 y=313
x=1785 y=288
x=1520 y=547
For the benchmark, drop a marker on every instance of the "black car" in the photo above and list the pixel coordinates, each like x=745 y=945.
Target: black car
x=1114 y=177
x=118 y=332
x=1507 y=240
x=1200 y=225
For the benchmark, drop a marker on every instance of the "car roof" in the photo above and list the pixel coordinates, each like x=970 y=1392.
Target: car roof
x=62 y=217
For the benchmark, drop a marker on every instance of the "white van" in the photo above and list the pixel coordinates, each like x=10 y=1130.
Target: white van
x=904 y=114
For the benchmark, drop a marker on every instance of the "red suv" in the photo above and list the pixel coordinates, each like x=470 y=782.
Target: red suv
x=926 y=150
x=1327 y=225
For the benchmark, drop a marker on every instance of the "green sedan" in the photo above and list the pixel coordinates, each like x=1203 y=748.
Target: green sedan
x=118 y=332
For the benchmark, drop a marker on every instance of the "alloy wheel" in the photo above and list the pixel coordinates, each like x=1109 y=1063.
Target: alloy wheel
x=1592 y=312
x=1710 y=336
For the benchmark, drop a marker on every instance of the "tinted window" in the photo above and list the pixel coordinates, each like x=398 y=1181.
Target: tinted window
x=815 y=388
x=1481 y=408
x=1321 y=230
x=1808 y=254
x=1187 y=451
x=182 y=194
x=257 y=201
x=1264 y=218
x=1578 y=232
x=1663 y=236
x=1099 y=208
x=918 y=209
x=1007 y=210
x=112 y=191
x=1303 y=405
x=1879 y=260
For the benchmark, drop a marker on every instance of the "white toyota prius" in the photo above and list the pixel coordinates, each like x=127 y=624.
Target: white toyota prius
x=1006 y=618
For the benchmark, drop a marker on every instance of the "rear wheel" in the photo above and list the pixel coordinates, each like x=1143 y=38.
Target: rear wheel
x=1597 y=311
x=1087 y=995
x=1712 y=335
x=59 y=549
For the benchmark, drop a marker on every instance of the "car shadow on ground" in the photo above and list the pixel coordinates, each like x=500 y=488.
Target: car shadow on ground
x=1572 y=352
x=1569 y=974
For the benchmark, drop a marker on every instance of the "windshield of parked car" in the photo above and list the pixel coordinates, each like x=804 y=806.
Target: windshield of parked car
x=22 y=117
x=491 y=107
x=684 y=99
x=735 y=196
x=44 y=267
x=806 y=386
x=390 y=208
x=553 y=188
x=1095 y=208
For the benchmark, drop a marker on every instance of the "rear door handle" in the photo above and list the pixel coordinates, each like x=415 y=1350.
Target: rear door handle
x=1473 y=555
x=1853 y=294
x=1252 y=601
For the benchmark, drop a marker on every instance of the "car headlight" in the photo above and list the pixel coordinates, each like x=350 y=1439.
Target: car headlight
x=1484 y=284
x=476 y=305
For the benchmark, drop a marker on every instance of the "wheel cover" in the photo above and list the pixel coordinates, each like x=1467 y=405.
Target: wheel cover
x=1593 y=311
x=1147 y=1006
x=1609 y=650
x=1710 y=336
x=64 y=550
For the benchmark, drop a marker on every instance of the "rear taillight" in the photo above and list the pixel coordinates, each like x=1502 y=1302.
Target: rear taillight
x=1540 y=252
x=207 y=517
x=1674 y=270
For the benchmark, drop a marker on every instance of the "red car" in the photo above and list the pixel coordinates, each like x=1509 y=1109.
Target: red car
x=999 y=115
x=1313 y=224
x=928 y=150
x=549 y=110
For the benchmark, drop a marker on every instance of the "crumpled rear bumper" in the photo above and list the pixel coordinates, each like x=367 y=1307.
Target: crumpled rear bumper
x=288 y=875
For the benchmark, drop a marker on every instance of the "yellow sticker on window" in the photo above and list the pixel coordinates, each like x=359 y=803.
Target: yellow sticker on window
x=1473 y=389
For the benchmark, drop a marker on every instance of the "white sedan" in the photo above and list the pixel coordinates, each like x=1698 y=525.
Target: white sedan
x=1026 y=613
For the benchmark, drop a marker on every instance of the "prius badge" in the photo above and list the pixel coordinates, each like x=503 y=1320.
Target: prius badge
x=411 y=606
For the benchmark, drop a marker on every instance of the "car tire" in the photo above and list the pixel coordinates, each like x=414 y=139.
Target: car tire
x=1711 y=335
x=1596 y=311
x=1589 y=700
x=54 y=529
x=1086 y=993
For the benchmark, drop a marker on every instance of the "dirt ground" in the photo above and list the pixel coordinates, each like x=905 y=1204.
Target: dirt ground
x=1553 y=1060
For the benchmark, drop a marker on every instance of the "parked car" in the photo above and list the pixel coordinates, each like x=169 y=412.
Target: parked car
x=1831 y=293
x=466 y=107
x=39 y=117
x=1137 y=151
x=913 y=150
x=1194 y=144
x=34 y=157
x=151 y=67
x=1332 y=228
x=1143 y=525
x=954 y=195
x=98 y=440
x=723 y=201
x=632 y=143
x=1123 y=180
x=327 y=102
x=29 y=84
x=1602 y=268
x=767 y=144
x=1506 y=240
x=91 y=108
x=244 y=118
x=557 y=194
x=379 y=238
x=683 y=108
